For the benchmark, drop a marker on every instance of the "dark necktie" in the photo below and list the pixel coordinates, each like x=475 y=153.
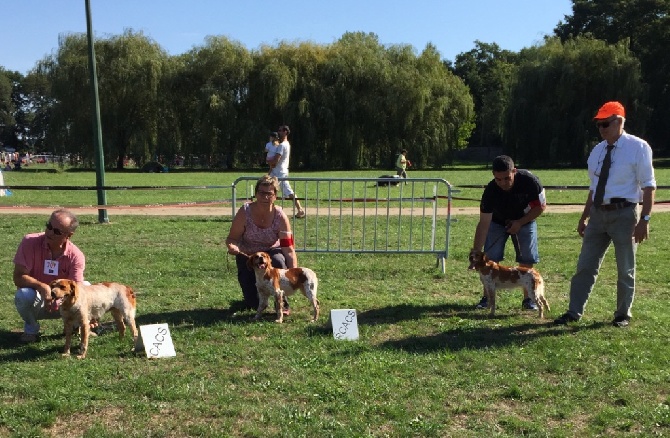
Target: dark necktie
x=602 y=179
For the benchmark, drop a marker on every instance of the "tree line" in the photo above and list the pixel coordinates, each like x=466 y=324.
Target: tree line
x=351 y=104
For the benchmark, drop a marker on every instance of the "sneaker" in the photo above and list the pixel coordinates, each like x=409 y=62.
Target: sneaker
x=621 y=321
x=528 y=304
x=28 y=338
x=300 y=214
x=565 y=319
x=483 y=304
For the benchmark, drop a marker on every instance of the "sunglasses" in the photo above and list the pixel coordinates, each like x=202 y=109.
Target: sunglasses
x=605 y=124
x=56 y=231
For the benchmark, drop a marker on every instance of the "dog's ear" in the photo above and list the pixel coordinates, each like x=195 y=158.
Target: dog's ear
x=73 y=287
x=250 y=265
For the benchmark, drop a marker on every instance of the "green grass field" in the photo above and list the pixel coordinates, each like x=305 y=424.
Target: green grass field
x=426 y=365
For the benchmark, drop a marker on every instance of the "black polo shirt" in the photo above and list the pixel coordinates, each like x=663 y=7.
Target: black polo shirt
x=526 y=193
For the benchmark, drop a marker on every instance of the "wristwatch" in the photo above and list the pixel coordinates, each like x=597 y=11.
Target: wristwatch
x=646 y=217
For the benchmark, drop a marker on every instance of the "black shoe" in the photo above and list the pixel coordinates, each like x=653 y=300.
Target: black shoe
x=621 y=321
x=565 y=319
x=483 y=304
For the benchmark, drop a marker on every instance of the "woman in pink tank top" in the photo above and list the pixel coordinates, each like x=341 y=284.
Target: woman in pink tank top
x=261 y=226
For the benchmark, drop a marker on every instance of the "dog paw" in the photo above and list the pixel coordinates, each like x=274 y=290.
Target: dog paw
x=67 y=354
x=81 y=356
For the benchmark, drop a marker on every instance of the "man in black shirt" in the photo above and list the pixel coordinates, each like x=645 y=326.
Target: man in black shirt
x=509 y=206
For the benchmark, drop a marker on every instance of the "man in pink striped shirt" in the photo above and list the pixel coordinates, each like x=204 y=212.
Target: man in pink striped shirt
x=40 y=259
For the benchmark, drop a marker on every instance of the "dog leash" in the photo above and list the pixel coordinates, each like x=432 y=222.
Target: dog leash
x=492 y=244
x=517 y=246
x=515 y=242
x=228 y=262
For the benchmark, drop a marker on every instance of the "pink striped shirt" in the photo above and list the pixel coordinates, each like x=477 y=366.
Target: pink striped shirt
x=33 y=251
x=255 y=238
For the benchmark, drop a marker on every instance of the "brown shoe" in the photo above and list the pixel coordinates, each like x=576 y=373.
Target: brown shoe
x=28 y=338
x=300 y=214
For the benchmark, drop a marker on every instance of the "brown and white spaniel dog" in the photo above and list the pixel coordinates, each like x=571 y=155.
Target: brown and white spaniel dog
x=495 y=276
x=281 y=282
x=81 y=304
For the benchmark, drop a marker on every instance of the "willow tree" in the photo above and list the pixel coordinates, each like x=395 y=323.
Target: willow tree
x=356 y=103
x=558 y=88
x=70 y=127
x=285 y=88
x=130 y=70
x=446 y=119
x=129 y=74
x=488 y=71
x=211 y=89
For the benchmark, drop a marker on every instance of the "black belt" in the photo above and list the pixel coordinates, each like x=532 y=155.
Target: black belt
x=615 y=206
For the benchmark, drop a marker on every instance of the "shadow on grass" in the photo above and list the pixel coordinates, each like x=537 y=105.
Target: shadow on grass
x=409 y=312
x=463 y=337
x=237 y=313
x=482 y=337
x=13 y=350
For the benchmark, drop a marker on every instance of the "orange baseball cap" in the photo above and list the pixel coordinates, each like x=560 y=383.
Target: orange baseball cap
x=610 y=109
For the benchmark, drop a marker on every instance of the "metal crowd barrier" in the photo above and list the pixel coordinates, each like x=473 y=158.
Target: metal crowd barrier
x=366 y=215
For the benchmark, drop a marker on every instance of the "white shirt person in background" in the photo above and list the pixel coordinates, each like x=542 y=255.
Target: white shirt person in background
x=279 y=167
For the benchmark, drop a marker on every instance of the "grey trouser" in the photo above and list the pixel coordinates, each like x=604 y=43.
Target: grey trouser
x=605 y=227
x=30 y=306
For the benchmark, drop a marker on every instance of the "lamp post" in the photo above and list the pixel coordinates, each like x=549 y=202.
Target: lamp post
x=97 y=129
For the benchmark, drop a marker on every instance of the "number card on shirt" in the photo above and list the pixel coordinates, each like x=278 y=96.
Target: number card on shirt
x=345 y=324
x=157 y=340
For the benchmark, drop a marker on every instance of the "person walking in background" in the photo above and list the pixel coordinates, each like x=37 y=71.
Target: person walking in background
x=40 y=259
x=402 y=163
x=509 y=206
x=622 y=175
x=280 y=164
x=261 y=226
x=271 y=149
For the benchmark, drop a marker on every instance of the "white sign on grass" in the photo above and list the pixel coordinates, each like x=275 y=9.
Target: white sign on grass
x=345 y=324
x=157 y=340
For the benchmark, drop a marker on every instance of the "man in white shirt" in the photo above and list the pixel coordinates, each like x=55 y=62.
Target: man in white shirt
x=280 y=168
x=622 y=175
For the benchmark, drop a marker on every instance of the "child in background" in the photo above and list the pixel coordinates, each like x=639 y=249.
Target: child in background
x=271 y=149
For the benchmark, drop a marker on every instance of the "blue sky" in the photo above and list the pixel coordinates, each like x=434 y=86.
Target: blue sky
x=30 y=28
